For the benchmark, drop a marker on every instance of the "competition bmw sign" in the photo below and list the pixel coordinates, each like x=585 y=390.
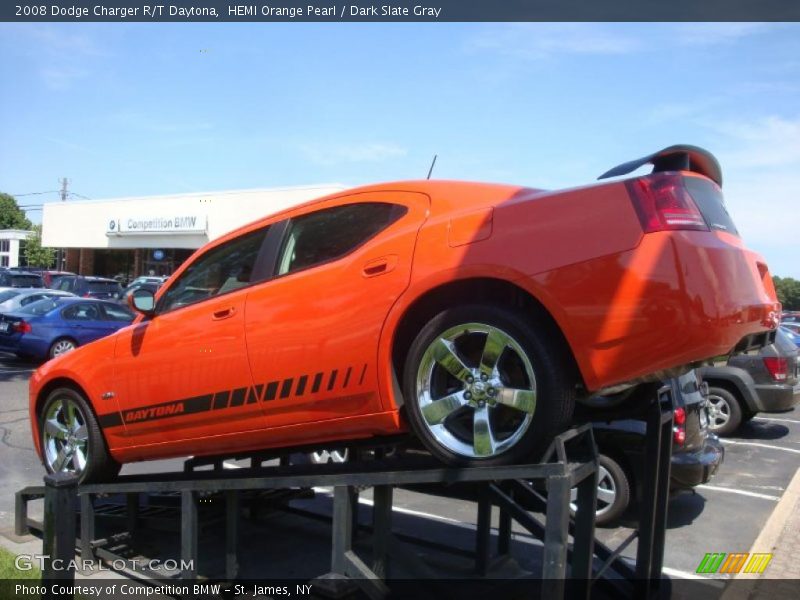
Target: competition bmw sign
x=185 y=223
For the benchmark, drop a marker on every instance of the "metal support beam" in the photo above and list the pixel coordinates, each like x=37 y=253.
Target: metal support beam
x=484 y=533
x=381 y=529
x=342 y=527
x=87 y=527
x=58 y=541
x=189 y=535
x=132 y=512
x=231 y=534
x=20 y=513
x=556 y=537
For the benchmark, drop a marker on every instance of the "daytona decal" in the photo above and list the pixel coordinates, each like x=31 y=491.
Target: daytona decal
x=227 y=399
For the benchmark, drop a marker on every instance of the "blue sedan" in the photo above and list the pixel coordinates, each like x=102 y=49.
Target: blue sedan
x=51 y=327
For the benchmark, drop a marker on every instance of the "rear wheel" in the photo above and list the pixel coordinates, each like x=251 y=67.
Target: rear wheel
x=613 y=491
x=484 y=386
x=62 y=346
x=71 y=438
x=724 y=412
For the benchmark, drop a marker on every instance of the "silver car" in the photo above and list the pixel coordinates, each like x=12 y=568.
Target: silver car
x=12 y=299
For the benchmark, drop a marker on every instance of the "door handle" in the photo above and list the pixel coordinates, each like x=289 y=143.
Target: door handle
x=223 y=314
x=379 y=266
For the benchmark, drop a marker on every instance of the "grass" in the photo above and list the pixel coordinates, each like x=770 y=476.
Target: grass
x=9 y=571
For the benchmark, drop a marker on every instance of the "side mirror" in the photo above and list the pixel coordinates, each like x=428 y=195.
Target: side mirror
x=143 y=301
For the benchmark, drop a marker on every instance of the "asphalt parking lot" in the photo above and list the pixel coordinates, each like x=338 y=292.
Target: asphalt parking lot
x=726 y=515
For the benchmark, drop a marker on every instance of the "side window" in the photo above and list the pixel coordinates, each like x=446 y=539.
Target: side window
x=331 y=233
x=223 y=269
x=31 y=298
x=81 y=312
x=118 y=313
x=65 y=284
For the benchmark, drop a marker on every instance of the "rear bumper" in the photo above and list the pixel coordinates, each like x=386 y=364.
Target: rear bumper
x=777 y=398
x=678 y=298
x=690 y=469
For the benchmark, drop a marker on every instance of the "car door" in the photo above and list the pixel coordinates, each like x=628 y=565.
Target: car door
x=84 y=322
x=312 y=331
x=183 y=374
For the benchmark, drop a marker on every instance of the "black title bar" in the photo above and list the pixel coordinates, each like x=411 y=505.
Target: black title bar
x=401 y=10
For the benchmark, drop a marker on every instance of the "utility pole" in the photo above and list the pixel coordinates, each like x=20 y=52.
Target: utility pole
x=59 y=254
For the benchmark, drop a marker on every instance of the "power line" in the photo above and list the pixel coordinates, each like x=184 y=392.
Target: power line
x=36 y=193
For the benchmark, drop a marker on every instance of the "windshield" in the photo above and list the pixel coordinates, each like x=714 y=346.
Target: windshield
x=40 y=308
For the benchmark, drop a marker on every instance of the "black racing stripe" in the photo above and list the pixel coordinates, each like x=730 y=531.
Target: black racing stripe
x=169 y=409
x=255 y=394
x=221 y=399
x=363 y=373
x=238 y=396
x=301 y=385
x=272 y=389
x=317 y=383
x=347 y=377
x=286 y=389
x=110 y=420
x=332 y=380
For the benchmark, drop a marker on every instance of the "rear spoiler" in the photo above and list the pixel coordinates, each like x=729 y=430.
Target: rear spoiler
x=675 y=158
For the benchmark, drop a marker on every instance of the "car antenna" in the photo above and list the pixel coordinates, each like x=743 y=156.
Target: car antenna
x=433 y=162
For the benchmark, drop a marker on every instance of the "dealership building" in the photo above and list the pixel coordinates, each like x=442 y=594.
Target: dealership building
x=155 y=234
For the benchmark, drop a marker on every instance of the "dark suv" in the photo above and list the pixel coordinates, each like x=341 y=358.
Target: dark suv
x=696 y=453
x=767 y=380
x=20 y=279
x=90 y=287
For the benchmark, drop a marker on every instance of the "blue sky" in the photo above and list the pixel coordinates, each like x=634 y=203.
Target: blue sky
x=139 y=109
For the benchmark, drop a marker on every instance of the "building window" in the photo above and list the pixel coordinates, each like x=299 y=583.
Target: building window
x=5 y=246
x=4 y=260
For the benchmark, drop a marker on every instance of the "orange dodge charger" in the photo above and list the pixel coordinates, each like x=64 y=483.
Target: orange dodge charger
x=474 y=315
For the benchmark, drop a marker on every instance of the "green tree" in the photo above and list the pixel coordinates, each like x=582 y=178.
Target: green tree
x=788 y=290
x=11 y=215
x=35 y=254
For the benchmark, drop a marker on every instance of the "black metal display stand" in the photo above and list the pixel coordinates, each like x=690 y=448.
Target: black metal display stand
x=571 y=462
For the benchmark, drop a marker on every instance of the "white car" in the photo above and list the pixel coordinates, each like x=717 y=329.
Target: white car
x=12 y=299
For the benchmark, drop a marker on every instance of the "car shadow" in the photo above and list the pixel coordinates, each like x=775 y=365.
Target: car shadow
x=760 y=430
x=13 y=368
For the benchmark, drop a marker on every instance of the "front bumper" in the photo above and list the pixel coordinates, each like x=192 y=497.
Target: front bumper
x=690 y=469
x=777 y=398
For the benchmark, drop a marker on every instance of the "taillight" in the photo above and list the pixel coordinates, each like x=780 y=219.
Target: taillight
x=679 y=429
x=663 y=203
x=86 y=295
x=22 y=327
x=778 y=367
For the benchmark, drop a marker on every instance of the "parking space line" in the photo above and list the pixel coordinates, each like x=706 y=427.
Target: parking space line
x=776 y=419
x=760 y=445
x=715 y=488
x=689 y=575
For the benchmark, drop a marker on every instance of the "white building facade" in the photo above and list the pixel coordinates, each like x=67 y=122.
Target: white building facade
x=10 y=246
x=154 y=234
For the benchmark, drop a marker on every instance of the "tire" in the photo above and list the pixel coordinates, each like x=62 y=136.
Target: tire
x=613 y=491
x=517 y=401
x=724 y=411
x=71 y=440
x=61 y=346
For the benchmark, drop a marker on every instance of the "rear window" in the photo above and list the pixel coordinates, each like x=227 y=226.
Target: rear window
x=103 y=287
x=8 y=295
x=33 y=281
x=708 y=197
x=40 y=308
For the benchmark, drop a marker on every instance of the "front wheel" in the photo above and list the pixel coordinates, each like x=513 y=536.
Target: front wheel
x=61 y=346
x=71 y=438
x=483 y=386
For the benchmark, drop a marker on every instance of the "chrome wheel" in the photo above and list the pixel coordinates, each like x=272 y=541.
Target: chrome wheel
x=322 y=457
x=62 y=347
x=606 y=492
x=65 y=437
x=719 y=412
x=476 y=390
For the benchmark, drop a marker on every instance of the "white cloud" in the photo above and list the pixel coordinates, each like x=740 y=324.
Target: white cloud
x=327 y=154
x=710 y=34
x=534 y=41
